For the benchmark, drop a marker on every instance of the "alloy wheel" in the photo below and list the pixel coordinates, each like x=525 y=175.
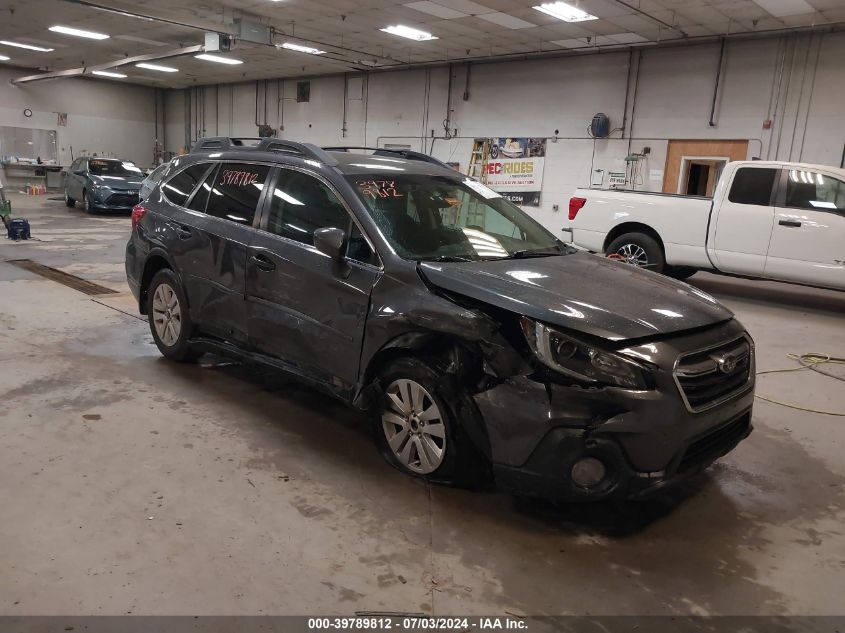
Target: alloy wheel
x=414 y=427
x=633 y=254
x=167 y=314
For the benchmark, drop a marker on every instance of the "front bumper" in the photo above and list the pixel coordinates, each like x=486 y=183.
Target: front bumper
x=112 y=200
x=646 y=439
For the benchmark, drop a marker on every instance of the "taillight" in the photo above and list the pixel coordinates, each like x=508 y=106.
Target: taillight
x=575 y=205
x=138 y=212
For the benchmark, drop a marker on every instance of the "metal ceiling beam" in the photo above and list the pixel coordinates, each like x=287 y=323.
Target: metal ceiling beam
x=77 y=72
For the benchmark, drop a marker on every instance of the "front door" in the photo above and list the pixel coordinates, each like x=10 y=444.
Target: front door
x=305 y=308
x=808 y=239
x=74 y=181
x=743 y=226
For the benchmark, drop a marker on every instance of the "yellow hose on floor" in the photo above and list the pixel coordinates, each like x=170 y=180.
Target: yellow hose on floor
x=808 y=361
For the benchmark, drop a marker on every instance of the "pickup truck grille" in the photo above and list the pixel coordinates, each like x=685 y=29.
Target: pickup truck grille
x=711 y=376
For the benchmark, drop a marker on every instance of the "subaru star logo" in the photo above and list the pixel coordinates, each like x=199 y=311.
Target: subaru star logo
x=726 y=363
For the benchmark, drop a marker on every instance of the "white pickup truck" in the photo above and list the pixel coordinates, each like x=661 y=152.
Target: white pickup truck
x=776 y=220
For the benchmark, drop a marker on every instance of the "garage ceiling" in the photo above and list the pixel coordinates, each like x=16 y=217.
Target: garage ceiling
x=349 y=31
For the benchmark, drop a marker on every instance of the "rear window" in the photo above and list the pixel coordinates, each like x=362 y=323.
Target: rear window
x=753 y=185
x=178 y=189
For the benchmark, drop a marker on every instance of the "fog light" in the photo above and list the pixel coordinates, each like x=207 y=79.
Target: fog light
x=588 y=472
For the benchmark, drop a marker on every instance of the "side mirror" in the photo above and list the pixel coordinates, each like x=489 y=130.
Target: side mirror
x=332 y=242
x=78 y=172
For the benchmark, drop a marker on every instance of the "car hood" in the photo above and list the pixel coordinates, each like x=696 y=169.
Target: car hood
x=583 y=293
x=119 y=182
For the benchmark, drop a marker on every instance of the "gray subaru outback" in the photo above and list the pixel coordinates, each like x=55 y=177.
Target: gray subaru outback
x=481 y=344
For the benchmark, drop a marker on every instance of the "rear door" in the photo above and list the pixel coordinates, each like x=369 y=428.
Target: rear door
x=808 y=239
x=305 y=308
x=223 y=209
x=744 y=221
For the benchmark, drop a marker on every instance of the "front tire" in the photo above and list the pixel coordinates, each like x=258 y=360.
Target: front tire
x=169 y=317
x=86 y=202
x=69 y=202
x=417 y=430
x=640 y=250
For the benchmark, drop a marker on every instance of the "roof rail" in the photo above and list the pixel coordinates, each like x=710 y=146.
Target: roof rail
x=404 y=153
x=223 y=143
x=226 y=143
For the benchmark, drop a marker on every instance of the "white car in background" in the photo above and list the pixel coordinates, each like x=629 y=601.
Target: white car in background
x=775 y=220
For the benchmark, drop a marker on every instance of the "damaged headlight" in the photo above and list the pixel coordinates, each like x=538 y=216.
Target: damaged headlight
x=584 y=362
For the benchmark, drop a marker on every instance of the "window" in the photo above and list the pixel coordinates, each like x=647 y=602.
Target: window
x=301 y=205
x=200 y=199
x=179 y=188
x=101 y=167
x=359 y=249
x=753 y=185
x=812 y=190
x=450 y=218
x=236 y=191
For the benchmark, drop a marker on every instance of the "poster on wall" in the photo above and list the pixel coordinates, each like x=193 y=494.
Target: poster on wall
x=515 y=169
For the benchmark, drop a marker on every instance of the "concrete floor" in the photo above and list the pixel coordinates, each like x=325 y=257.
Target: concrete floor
x=129 y=484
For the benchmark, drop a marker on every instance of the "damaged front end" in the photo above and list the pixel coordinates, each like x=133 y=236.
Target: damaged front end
x=565 y=415
x=611 y=424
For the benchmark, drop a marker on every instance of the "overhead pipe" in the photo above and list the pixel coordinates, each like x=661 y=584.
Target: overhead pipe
x=712 y=123
x=651 y=17
x=812 y=94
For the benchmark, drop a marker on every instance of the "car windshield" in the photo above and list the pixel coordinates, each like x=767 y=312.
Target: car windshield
x=442 y=218
x=113 y=168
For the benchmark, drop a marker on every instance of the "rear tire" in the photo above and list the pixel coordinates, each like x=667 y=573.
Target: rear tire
x=69 y=202
x=640 y=250
x=416 y=429
x=169 y=317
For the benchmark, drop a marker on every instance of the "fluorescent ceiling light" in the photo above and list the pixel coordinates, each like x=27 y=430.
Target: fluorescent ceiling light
x=302 y=49
x=220 y=60
x=784 y=8
x=91 y=35
x=163 y=69
x=28 y=47
x=105 y=73
x=565 y=12
x=408 y=32
x=3 y=58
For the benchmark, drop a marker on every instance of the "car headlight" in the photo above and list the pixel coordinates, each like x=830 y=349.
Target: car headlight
x=568 y=356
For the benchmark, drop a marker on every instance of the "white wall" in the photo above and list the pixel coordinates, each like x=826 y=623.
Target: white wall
x=775 y=78
x=104 y=117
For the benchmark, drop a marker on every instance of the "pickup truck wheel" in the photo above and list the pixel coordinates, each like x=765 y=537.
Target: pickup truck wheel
x=416 y=429
x=640 y=250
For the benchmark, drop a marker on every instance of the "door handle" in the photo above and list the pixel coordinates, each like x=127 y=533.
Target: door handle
x=790 y=223
x=263 y=263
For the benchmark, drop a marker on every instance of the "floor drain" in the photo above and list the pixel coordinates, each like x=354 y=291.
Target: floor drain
x=66 y=279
